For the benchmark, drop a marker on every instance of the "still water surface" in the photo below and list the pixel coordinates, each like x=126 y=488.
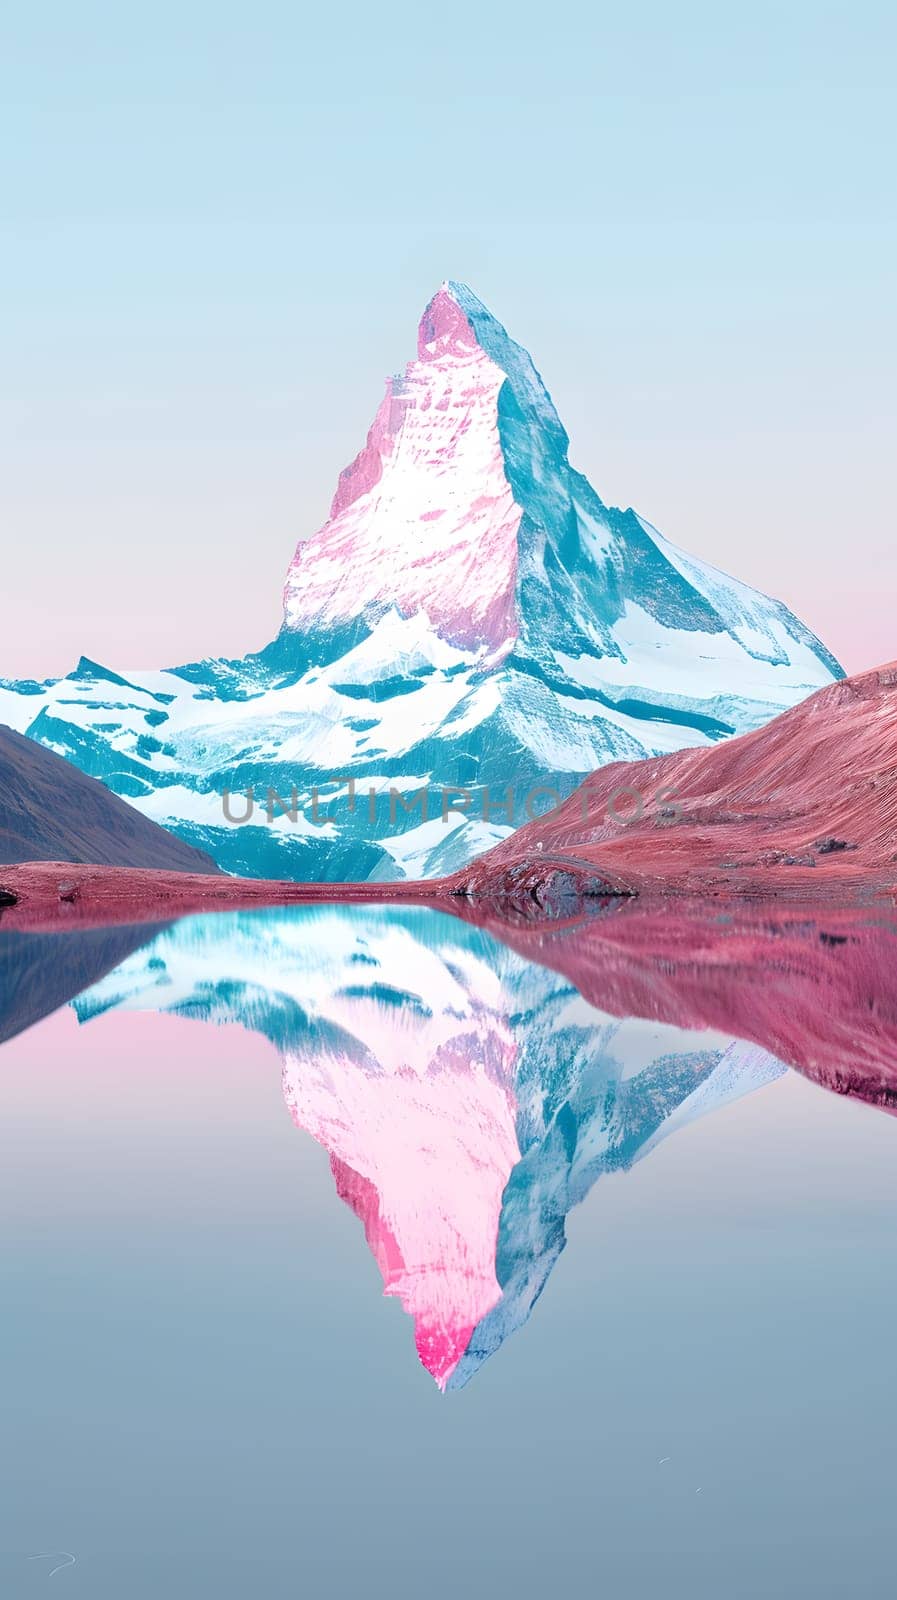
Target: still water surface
x=640 y=1305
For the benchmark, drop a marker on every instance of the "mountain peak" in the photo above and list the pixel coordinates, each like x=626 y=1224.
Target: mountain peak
x=444 y=328
x=462 y=509
x=424 y=519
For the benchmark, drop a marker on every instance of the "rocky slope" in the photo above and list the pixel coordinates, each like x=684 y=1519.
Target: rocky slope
x=805 y=805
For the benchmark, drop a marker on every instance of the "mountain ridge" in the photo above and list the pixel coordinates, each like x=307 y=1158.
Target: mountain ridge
x=471 y=614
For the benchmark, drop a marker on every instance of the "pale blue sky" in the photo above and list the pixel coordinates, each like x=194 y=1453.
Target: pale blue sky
x=220 y=227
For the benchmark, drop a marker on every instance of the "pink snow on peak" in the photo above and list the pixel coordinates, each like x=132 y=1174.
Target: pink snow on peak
x=444 y=329
x=421 y=1132
x=440 y=1342
x=423 y=519
x=360 y=476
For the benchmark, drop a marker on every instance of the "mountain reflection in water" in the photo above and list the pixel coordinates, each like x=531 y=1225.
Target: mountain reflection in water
x=471 y=1081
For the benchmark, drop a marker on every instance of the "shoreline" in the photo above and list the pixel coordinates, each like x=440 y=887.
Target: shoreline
x=55 y=896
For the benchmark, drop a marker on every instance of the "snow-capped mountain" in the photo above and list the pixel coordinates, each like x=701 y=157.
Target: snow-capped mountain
x=470 y=615
x=467 y=1098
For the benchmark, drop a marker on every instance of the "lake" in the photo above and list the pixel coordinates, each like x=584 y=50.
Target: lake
x=350 y=1251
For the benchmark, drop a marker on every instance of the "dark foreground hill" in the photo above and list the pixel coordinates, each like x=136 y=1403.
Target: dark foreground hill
x=51 y=811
